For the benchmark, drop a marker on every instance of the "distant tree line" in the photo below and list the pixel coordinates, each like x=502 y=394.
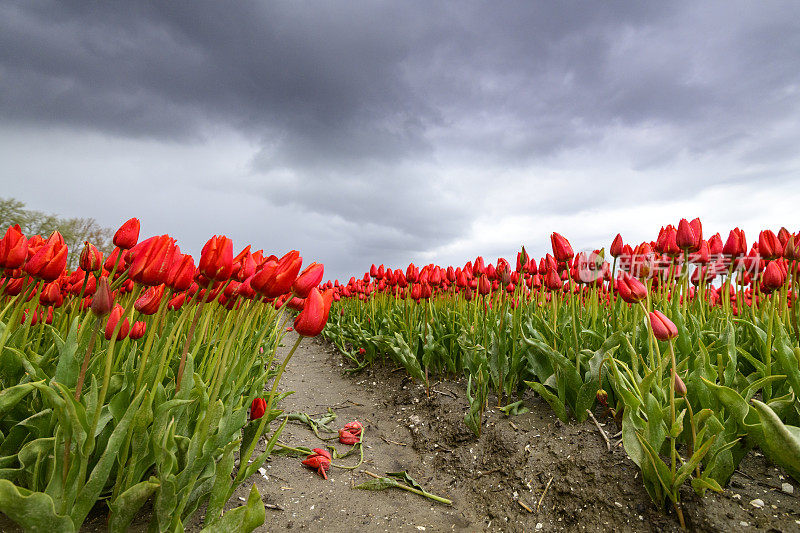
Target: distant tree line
x=74 y=230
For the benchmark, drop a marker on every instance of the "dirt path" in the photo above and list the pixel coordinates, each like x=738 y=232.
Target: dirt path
x=490 y=480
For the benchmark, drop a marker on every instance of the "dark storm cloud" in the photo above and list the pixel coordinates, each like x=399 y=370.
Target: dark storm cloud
x=363 y=116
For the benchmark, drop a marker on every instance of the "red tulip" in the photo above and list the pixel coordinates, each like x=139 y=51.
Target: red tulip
x=320 y=461
x=783 y=235
x=244 y=265
x=50 y=294
x=216 y=258
x=687 y=237
x=176 y=302
x=350 y=434
x=13 y=248
x=663 y=327
x=49 y=261
x=151 y=260
x=127 y=235
x=275 y=278
x=552 y=280
x=103 y=299
x=769 y=247
x=312 y=319
x=630 y=289
x=181 y=272
x=484 y=287
x=113 y=319
x=257 y=408
x=91 y=259
x=616 y=246
x=667 y=241
x=308 y=279
x=148 y=303
x=715 y=244
x=562 y=250
x=736 y=244
x=138 y=330
x=773 y=278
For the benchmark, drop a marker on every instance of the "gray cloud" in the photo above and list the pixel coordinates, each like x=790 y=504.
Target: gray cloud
x=402 y=124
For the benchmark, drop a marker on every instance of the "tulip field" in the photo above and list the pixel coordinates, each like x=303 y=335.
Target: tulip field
x=691 y=346
x=142 y=382
x=128 y=381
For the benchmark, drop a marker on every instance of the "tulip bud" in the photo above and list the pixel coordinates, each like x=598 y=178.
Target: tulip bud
x=127 y=235
x=685 y=237
x=663 y=328
x=602 y=397
x=103 y=300
x=562 y=250
x=680 y=386
x=616 y=246
x=91 y=259
x=257 y=408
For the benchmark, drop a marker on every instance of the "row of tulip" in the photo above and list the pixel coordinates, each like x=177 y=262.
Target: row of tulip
x=129 y=379
x=675 y=338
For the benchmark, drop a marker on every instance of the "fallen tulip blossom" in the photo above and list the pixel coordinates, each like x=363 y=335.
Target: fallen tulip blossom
x=351 y=433
x=320 y=461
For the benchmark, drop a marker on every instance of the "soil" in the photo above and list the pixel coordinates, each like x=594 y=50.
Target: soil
x=528 y=472
x=492 y=479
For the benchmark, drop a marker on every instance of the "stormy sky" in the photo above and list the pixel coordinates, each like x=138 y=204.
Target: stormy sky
x=389 y=132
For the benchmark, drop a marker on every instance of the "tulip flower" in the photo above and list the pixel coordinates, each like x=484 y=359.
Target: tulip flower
x=13 y=248
x=773 y=278
x=151 y=260
x=562 y=250
x=769 y=247
x=351 y=433
x=736 y=244
x=685 y=237
x=50 y=294
x=138 y=330
x=148 y=303
x=308 y=279
x=127 y=235
x=616 y=246
x=275 y=277
x=49 y=261
x=113 y=319
x=91 y=259
x=320 y=461
x=216 y=258
x=244 y=265
x=257 y=408
x=312 y=319
x=552 y=280
x=630 y=289
x=181 y=273
x=663 y=327
x=176 y=302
